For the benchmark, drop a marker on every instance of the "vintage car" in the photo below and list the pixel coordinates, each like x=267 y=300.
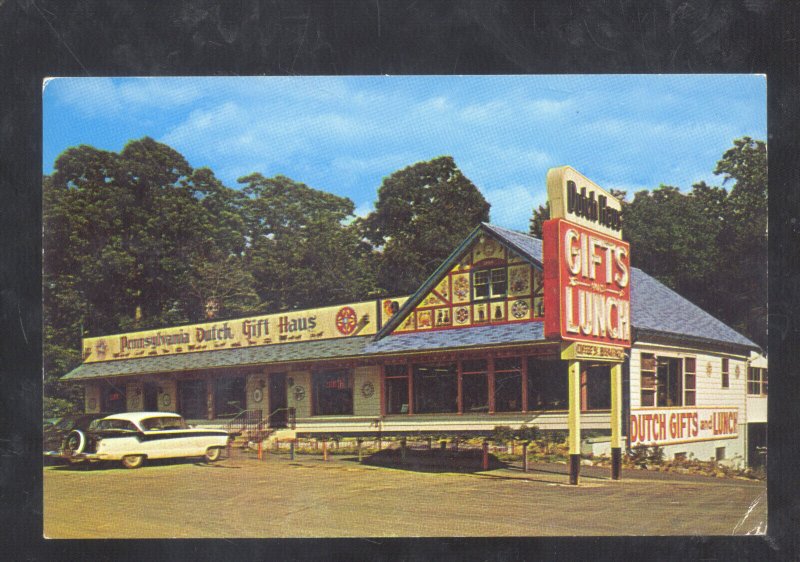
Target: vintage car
x=56 y=429
x=134 y=437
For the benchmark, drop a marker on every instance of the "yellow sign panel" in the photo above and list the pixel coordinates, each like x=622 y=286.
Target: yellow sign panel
x=575 y=197
x=592 y=352
x=355 y=319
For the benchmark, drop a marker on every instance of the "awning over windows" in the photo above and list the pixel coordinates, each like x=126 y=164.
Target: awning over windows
x=282 y=353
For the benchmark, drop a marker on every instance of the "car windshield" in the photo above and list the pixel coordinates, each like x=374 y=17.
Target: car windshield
x=106 y=424
x=151 y=424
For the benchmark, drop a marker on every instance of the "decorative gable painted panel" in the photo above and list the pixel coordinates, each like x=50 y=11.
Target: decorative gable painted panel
x=491 y=284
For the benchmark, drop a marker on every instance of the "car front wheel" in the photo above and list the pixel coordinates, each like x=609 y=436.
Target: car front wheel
x=213 y=454
x=133 y=461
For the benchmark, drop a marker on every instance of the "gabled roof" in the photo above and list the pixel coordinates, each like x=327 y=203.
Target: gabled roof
x=529 y=248
x=656 y=310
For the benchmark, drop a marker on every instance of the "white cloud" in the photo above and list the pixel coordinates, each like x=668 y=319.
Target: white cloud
x=103 y=96
x=548 y=107
x=438 y=104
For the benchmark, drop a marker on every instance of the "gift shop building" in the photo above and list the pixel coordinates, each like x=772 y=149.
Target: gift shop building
x=560 y=333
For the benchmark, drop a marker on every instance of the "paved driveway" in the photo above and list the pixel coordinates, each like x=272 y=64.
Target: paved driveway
x=244 y=497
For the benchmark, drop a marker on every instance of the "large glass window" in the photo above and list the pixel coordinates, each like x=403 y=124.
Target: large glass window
x=547 y=384
x=669 y=387
x=598 y=388
x=192 y=399
x=475 y=385
x=113 y=398
x=435 y=389
x=508 y=385
x=333 y=393
x=230 y=396
x=396 y=377
x=489 y=283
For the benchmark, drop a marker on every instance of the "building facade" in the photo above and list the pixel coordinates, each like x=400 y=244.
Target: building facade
x=465 y=353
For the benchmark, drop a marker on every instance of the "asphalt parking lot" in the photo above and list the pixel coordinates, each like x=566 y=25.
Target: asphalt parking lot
x=279 y=498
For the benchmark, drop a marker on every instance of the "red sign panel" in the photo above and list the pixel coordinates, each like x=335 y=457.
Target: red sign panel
x=587 y=294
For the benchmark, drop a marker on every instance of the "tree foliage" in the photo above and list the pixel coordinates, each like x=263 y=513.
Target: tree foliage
x=423 y=212
x=709 y=245
x=302 y=252
x=133 y=240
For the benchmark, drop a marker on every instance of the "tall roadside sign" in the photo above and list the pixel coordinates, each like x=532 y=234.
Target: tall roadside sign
x=587 y=292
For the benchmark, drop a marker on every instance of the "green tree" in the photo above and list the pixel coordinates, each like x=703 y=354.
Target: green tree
x=743 y=239
x=423 y=212
x=129 y=239
x=302 y=251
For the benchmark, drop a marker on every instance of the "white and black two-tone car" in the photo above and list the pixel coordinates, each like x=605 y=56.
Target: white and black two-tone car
x=134 y=437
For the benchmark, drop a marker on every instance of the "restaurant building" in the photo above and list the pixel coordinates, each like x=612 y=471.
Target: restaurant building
x=559 y=333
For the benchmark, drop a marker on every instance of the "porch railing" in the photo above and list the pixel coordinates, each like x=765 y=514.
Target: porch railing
x=249 y=423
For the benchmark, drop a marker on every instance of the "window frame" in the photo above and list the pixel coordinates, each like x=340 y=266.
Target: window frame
x=318 y=387
x=687 y=389
x=651 y=390
x=489 y=283
x=726 y=372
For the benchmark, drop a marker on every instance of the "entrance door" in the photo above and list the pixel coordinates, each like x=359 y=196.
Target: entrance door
x=150 y=390
x=277 y=400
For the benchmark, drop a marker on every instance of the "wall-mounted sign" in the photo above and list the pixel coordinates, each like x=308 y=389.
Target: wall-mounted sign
x=592 y=351
x=668 y=426
x=353 y=319
x=586 y=285
x=575 y=197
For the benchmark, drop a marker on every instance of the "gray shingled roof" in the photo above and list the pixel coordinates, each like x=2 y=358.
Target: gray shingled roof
x=655 y=310
x=460 y=337
x=528 y=246
x=279 y=353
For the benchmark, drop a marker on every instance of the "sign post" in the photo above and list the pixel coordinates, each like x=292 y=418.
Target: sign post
x=587 y=293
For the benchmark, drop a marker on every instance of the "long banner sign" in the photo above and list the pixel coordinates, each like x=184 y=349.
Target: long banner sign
x=668 y=426
x=361 y=318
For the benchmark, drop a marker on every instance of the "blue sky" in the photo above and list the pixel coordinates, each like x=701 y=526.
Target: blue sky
x=345 y=134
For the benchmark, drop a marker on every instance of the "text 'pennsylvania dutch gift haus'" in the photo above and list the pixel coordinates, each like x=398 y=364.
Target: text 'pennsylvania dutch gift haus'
x=560 y=333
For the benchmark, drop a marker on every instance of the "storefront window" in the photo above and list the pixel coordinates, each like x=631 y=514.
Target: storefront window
x=668 y=382
x=435 y=389
x=396 y=389
x=690 y=381
x=333 y=393
x=113 y=399
x=230 y=396
x=489 y=283
x=475 y=386
x=598 y=388
x=508 y=385
x=192 y=399
x=547 y=384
